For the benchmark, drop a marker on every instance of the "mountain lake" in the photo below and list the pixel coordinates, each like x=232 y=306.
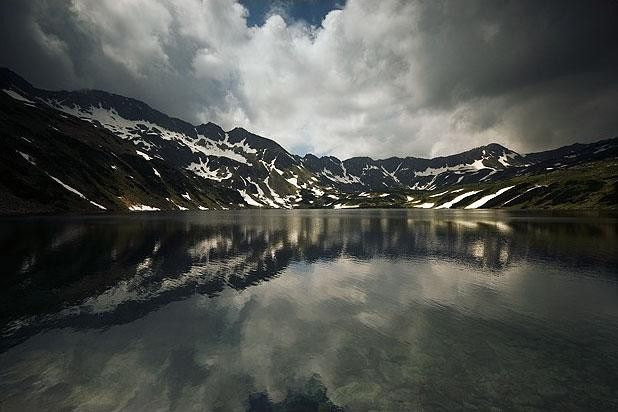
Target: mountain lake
x=269 y=310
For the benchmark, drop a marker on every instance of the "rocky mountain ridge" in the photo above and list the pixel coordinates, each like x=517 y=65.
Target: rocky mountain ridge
x=142 y=159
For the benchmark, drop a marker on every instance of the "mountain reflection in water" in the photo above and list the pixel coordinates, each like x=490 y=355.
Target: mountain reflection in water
x=362 y=309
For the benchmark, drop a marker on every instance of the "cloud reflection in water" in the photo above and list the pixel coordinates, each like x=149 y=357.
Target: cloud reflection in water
x=394 y=310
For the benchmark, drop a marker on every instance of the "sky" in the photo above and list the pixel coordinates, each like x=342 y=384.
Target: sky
x=345 y=78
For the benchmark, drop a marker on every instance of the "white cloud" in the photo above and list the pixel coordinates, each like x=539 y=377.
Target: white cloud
x=376 y=78
x=207 y=64
x=332 y=87
x=349 y=87
x=344 y=88
x=130 y=32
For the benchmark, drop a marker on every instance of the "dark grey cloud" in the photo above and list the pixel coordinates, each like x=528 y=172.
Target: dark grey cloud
x=547 y=69
x=494 y=47
x=376 y=78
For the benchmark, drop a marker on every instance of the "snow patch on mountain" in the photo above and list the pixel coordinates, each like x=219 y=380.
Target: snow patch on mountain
x=142 y=208
x=458 y=199
x=535 y=187
x=474 y=166
x=485 y=199
x=67 y=187
x=144 y=155
x=293 y=181
x=504 y=158
x=345 y=178
x=223 y=148
x=248 y=199
x=179 y=207
x=201 y=169
x=75 y=191
x=27 y=157
x=98 y=205
x=17 y=96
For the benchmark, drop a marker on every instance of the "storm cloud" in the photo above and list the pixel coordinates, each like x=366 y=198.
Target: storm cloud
x=374 y=78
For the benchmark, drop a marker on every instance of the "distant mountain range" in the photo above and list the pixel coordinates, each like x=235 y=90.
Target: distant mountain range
x=93 y=151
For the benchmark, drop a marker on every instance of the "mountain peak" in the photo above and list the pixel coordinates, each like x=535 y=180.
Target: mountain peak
x=488 y=150
x=211 y=130
x=495 y=146
x=239 y=129
x=498 y=148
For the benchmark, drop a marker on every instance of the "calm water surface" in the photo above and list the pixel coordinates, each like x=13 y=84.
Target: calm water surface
x=271 y=310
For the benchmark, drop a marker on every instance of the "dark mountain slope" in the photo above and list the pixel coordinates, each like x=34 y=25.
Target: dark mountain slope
x=52 y=162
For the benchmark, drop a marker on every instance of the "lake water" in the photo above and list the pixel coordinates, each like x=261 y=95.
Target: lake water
x=391 y=310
